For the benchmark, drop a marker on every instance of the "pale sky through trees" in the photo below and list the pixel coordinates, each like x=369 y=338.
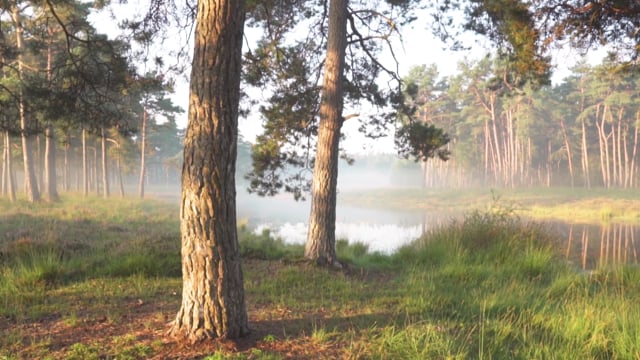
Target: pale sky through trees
x=418 y=47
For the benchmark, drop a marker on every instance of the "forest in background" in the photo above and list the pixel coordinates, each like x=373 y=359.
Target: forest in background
x=107 y=123
x=581 y=132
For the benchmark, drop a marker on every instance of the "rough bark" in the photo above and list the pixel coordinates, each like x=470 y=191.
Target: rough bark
x=321 y=238
x=213 y=302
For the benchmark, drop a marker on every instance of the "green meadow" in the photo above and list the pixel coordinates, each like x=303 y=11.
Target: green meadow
x=88 y=278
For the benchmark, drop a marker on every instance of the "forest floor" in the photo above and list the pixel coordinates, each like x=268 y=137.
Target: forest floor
x=131 y=327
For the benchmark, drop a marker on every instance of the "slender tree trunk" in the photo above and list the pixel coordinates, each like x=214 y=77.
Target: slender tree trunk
x=487 y=146
x=11 y=185
x=567 y=145
x=4 y=166
x=30 y=181
x=585 y=158
x=65 y=171
x=321 y=238
x=213 y=301
x=50 y=181
x=85 y=165
x=143 y=145
x=96 y=165
x=497 y=152
x=633 y=157
x=119 y=167
x=619 y=136
x=105 y=172
x=51 y=191
x=603 y=152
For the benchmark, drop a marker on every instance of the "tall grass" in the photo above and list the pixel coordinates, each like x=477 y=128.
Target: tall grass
x=45 y=246
x=490 y=286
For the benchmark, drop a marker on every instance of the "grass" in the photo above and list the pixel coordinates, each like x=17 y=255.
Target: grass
x=577 y=205
x=89 y=278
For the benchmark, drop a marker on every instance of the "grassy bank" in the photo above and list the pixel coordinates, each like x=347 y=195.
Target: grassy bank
x=569 y=204
x=88 y=279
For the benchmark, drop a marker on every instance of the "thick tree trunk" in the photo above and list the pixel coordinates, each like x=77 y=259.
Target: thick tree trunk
x=213 y=302
x=143 y=146
x=321 y=239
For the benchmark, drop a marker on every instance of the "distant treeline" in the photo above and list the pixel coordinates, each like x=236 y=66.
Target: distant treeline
x=582 y=132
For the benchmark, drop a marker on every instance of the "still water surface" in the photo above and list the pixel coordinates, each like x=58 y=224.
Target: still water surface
x=585 y=245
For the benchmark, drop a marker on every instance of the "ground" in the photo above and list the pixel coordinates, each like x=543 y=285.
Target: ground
x=137 y=329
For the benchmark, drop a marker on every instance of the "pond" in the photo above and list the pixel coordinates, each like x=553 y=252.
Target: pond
x=591 y=245
x=585 y=245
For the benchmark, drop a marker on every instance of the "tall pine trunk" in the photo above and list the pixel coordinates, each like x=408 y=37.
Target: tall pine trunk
x=585 y=157
x=9 y=180
x=321 y=238
x=105 y=172
x=30 y=181
x=213 y=301
x=567 y=146
x=50 y=183
x=51 y=191
x=143 y=146
x=85 y=165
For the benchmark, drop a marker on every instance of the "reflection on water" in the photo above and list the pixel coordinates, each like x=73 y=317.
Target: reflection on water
x=382 y=230
x=587 y=246
x=590 y=246
x=384 y=238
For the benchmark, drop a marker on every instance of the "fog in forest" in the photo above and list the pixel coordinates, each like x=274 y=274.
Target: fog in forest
x=579 y=133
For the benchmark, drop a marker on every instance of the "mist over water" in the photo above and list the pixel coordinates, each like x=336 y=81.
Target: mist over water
x=381 y=230
x=584 y=245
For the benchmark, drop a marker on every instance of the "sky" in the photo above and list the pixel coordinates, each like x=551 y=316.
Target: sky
x=418 y=47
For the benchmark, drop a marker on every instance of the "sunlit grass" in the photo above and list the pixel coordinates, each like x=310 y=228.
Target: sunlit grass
x=486 y=286
x=569 y=204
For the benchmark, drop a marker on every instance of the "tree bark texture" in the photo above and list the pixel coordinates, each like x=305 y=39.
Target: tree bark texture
x=213 y=302
x=321 y=238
